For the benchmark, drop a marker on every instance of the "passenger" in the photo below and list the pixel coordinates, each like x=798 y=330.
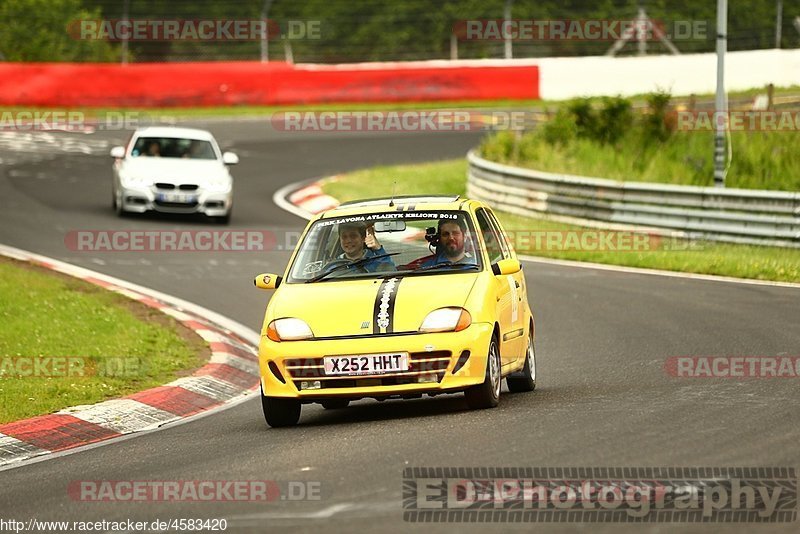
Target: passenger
x=154 y=149
x=450 y=248
x=358 y=241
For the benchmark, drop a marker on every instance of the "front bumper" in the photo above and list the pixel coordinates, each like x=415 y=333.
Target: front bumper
x=285 y=365
x=142 y=199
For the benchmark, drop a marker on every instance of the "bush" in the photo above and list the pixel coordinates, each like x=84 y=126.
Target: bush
x=658 y=124
x=561 y=129
x=614 y=120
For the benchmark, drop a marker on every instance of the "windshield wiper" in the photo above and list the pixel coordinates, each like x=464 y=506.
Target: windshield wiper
x=444 y=265
x=354 y=263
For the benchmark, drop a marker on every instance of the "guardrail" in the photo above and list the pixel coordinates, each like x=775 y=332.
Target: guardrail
x=733 y=215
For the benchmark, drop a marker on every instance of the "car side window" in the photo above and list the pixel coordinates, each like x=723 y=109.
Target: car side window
x=490 y=237
x=499 y=229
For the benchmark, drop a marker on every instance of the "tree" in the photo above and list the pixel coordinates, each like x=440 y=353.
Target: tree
x=38 y=30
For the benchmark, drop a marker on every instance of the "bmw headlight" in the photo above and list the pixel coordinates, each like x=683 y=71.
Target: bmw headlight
x=446 y=320
x=133 y=180
x=219 y=184
x=289 y=329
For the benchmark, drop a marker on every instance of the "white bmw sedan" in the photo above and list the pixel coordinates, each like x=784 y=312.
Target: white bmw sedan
x=173 y=170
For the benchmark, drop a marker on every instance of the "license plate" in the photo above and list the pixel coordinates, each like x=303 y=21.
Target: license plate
x=366 y=364
x=183 y=198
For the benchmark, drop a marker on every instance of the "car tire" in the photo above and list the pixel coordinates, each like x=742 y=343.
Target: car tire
x=335 y=404
x=487 y=394
x=117 y=205
x=525 y=379
x=223 y=219
x=280 y=412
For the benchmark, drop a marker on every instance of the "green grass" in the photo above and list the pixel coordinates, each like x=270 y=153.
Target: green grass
x=449 y=177
x=761 y=160
x=45 y=315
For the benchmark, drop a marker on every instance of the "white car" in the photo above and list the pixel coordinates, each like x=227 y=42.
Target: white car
x=173 y=170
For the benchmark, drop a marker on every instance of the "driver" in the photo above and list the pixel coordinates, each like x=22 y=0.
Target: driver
x=452 y=236
x=358 y=241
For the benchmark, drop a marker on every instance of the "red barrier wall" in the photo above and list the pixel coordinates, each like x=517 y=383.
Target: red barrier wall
x=253 y=83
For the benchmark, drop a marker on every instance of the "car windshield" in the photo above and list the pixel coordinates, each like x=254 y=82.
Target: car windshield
x=373 y=245
x=173 y=147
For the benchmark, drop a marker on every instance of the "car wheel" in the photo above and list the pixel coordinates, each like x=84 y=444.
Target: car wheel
x=487 y=395
x=525 y=379
x=335 y=404
x=116 y=204
x=223 y=219
x=280 y=411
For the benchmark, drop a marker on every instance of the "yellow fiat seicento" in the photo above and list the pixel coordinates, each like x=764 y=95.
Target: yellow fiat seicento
x=396 y=298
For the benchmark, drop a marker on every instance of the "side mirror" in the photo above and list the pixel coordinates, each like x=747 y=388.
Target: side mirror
x=267 y=281
x=118 y=152
x=229 y=158
x=508 y=266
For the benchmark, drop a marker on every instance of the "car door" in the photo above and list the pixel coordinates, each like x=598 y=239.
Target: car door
x=516 y=283
x=506 y=298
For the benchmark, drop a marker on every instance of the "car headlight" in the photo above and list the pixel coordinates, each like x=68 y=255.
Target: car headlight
x=133 y=180
x=219 y=184
x=289 y=329
x=446 y=320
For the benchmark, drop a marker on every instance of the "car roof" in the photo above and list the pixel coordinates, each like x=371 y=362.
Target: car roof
x=401 y=203
x=173 y=131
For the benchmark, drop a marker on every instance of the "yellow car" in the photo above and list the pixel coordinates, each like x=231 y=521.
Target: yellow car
x=396 y=298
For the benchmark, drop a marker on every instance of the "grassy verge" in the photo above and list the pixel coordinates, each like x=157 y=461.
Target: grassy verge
x=114 y=346
x=448 y=177
x=762 y=160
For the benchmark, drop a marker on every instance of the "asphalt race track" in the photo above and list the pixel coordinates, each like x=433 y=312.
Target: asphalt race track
x=603 y=397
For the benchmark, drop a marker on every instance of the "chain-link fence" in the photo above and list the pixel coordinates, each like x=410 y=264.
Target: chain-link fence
x=336 y=31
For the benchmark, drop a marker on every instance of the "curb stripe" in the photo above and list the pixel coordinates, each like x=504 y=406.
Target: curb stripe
x=230 y=376
x=57 y=432
x=175 y=400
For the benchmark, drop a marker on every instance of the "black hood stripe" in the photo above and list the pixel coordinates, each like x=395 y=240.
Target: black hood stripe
x=383 y=309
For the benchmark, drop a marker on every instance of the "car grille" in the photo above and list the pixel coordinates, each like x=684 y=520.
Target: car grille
x=419 y=363
x=176 y=205
x=182 y=187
